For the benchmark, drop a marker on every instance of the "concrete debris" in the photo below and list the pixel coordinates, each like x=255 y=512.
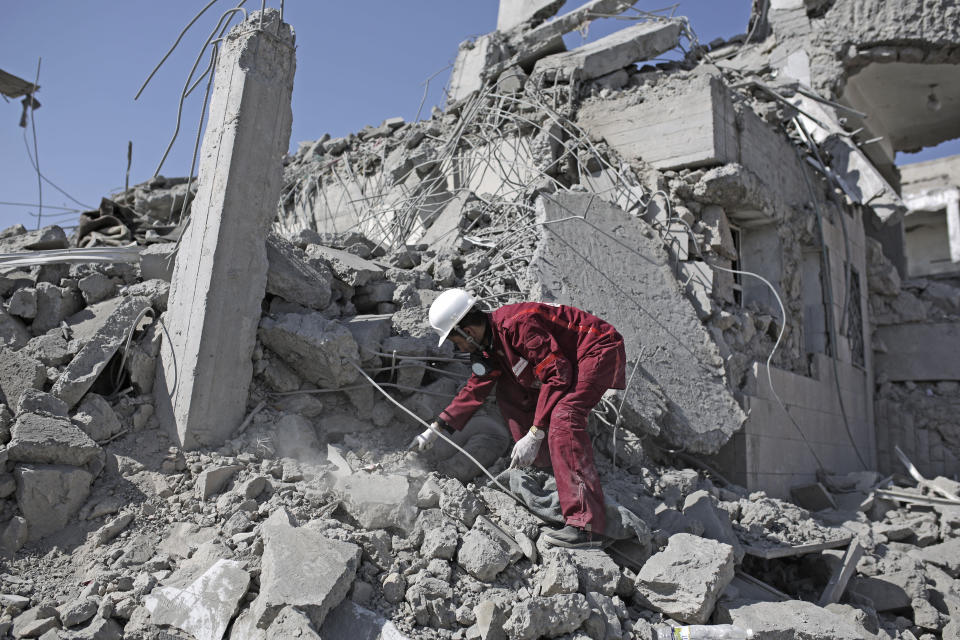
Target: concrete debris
x=189 y=451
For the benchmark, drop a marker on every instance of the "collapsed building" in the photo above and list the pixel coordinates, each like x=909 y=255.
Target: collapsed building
x=195 y=415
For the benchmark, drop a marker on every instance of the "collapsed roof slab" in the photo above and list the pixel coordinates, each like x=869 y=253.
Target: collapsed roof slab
x=633 y=44
x=514 y=13
x=685 y=124
x=220 y=274
x=614 y=267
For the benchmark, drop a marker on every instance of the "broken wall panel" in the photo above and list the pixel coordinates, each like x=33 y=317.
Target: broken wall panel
x=916 y=352
x=590 y=267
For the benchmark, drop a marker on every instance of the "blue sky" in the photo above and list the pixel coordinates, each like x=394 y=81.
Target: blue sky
x=357 y=64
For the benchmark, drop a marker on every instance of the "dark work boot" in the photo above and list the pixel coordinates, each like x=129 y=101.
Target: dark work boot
x=573 y=537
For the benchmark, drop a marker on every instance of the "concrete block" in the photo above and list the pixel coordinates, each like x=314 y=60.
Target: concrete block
x=945 y=555
x=292 y=278
x=686 y=578
x=47 y=439
x=220 y=274
x=915 y=352
x=481 y=556
x=302 y=568
x=514 y=13
x=317 y=348
x=348 y=267
x=687 y=125
x=204 y=608
x=621 y=48
x=54 y=304
x=211 y=481
x=701 y=506
x=96 y=418
x=51 y=349
x=890 y=591
x=49 y=495
x=647 y=308
x=93 y=358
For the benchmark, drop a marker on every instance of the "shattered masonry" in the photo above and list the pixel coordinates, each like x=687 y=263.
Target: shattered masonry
x=762 y=458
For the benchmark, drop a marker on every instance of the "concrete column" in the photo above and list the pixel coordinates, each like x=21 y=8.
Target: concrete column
x=953 y=224
x=220 y=274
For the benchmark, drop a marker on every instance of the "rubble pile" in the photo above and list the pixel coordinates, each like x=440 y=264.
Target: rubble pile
x=313 y=520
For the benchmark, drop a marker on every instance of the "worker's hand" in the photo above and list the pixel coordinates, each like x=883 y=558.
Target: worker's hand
x=425 y=440
x=525 y=451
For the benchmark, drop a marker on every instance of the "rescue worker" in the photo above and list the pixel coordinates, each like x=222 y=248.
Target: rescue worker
x=551 y=364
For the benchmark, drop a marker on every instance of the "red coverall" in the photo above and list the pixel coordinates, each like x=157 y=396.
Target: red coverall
x=553 y=364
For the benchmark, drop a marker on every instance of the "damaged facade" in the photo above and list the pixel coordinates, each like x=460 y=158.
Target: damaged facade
x=194 y=417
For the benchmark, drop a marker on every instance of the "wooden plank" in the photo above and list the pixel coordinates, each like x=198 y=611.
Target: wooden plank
x=796 y=550
x=838 y=581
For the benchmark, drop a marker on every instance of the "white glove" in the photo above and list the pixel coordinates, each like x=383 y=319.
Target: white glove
x=525 y=451
x=425 y=440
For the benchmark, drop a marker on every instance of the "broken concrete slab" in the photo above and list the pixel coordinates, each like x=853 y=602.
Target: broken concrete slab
x=211 y=481
x=48 y=439
x=292 y=278
x=890 y=591
x=473 y=57
x=945 y=555
x=220 y=275
x=615 y=51
x=34 y=401
x=647 y=308
x=52 y=349
x=514 y=13
x=18 y=373
x=93 y=358
x=348 y=267
x=48 y=495
x=52 y=237
x=686 y=578
x=303 y=568
x=543 y=616
x=205 y=608
x=369 y=331
x=317 y=348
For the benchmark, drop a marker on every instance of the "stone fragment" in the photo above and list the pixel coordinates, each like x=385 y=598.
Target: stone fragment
x=318 y=349
x=110 y=530
x=292 y=278
x=301 y=567
x=482 y=556
x=440 y=542
x=596 y=570
x=604 y=620
x=701 y=506
x=292 y=623
x=205 y=607
x=96 y=418
x=23 y=303
x=100 y=629
x=48 y=495
x=686 y=578
x=457 y=501
x=378 y=501
x=211 y=481
x=54 y=304
x=349 y=268
x=429 y=495
x=34 y=622
x=84 y=369
x=945 y=555
x=559 y=575
x=51 y=349
x=156 y=291
x=13 y=333
x=52 y=237
x=791 y=619
x=157 y=261
x=19 y=372
x=547 y=616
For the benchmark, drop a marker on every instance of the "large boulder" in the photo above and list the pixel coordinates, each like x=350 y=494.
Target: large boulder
x=686 y=578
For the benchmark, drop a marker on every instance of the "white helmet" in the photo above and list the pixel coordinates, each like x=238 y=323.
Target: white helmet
x=448 y=310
